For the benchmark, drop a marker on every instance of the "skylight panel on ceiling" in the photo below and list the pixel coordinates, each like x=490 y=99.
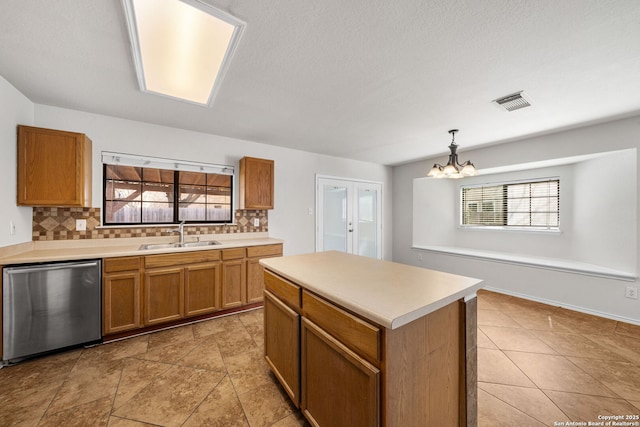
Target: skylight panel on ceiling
x=181 y=48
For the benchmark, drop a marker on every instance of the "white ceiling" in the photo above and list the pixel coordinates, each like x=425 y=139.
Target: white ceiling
x=374 y=80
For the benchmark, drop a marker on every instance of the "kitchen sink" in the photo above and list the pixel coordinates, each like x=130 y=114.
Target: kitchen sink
x=178 y=245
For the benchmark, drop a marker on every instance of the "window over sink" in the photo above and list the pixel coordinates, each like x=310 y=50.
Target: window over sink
x=146 y=190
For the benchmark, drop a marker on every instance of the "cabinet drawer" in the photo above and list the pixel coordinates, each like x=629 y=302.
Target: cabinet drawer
x=166 y=260
x=112 y=265
x=259 y=251
x=282 y=288
x=233 y=253
x=355 y=333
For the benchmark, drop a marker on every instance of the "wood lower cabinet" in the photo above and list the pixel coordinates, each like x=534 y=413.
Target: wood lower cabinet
x=146 y=291
x=281 y=345
x=255 y=272
x=202 y=289
x=339 y=388
x=353 y=372
x=163 y=295
x=233 y=278
x=121 y=296
x=54 y=168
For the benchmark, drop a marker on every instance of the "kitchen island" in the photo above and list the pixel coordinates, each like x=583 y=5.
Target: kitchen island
x=356 y=341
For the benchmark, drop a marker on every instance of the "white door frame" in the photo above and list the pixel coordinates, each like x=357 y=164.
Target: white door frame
x=348 y=182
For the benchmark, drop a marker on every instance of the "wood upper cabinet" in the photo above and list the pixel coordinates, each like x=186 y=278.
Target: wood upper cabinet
x=256 y=183
x=54 y=168
x=121 y=295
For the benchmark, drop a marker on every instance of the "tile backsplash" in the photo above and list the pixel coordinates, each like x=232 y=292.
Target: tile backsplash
x=60 y=224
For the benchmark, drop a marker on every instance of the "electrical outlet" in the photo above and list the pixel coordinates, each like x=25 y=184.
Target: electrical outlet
x=12 y=228
x=81 y=225
x=631 y=292
x=256 y=222
x=419 y=256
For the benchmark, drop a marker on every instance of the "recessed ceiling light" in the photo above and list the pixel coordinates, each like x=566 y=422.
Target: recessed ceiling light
x=181 y=48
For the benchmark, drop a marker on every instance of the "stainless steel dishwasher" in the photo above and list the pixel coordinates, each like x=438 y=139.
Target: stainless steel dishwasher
x=50 y=306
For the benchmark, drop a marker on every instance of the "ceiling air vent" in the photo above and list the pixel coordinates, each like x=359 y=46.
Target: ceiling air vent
x=512 y=102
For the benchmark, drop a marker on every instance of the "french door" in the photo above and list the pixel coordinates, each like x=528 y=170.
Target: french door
x=349 y=216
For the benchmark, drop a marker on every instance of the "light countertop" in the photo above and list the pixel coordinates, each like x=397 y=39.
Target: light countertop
x=387 y=293
x=63 y=250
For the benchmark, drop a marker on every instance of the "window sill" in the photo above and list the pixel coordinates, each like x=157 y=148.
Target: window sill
x=511 y=230
x=564 y=265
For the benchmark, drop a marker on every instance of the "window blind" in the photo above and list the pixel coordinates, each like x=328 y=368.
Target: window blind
x=533 y=205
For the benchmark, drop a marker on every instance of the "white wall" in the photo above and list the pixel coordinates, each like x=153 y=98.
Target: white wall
x=605 y=217
x=590 y=294
x=15 y=109
x=294 y=170
x=597 y=213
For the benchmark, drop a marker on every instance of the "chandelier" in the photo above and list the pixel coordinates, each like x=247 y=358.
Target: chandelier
x=453 y=169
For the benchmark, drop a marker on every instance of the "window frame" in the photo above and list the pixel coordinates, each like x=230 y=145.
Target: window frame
x=175 y=167
x=505 y=227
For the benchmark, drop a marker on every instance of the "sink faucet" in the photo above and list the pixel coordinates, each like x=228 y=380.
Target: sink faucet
x=180 y=231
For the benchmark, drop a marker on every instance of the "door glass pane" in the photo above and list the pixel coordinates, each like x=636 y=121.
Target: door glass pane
x=335 y=218
x=367 y=222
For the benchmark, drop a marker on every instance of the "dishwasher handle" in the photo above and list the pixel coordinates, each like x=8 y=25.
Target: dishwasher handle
x=51 y=267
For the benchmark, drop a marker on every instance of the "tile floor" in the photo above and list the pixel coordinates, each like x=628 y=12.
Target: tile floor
x=536 y=365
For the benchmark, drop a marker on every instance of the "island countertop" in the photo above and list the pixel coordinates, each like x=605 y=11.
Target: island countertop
x=387 y=293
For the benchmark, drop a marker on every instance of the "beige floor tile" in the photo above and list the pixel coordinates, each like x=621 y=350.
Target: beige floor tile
x=88 y=384
x=493 y=412
x=206 y=355
x=266 y=405
x=136 y=375
x=516 y=339
x=516 y=305
x=579 y=407
x=170 y=336
x=220 y=324
x=582 y=323
x=628 y=348
x=27 y=389
x=123 y=422
x=551 y=372
x=116 y=350
x=234 y=342
x=221 y=408
x=576 y=345
x=171 y=353
x=621 y=377
x=256 y=331
x=495 y=318
x=532 y=320
x=94 y=413
x=171 y=398
x=492 y=297
x=636 y=404
x=628 y=329
x=248 y=370
x=531 y=401
x=484 y=341
x=294 y=420
x=248 y=318
x=495 y=367
x=484 y=304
